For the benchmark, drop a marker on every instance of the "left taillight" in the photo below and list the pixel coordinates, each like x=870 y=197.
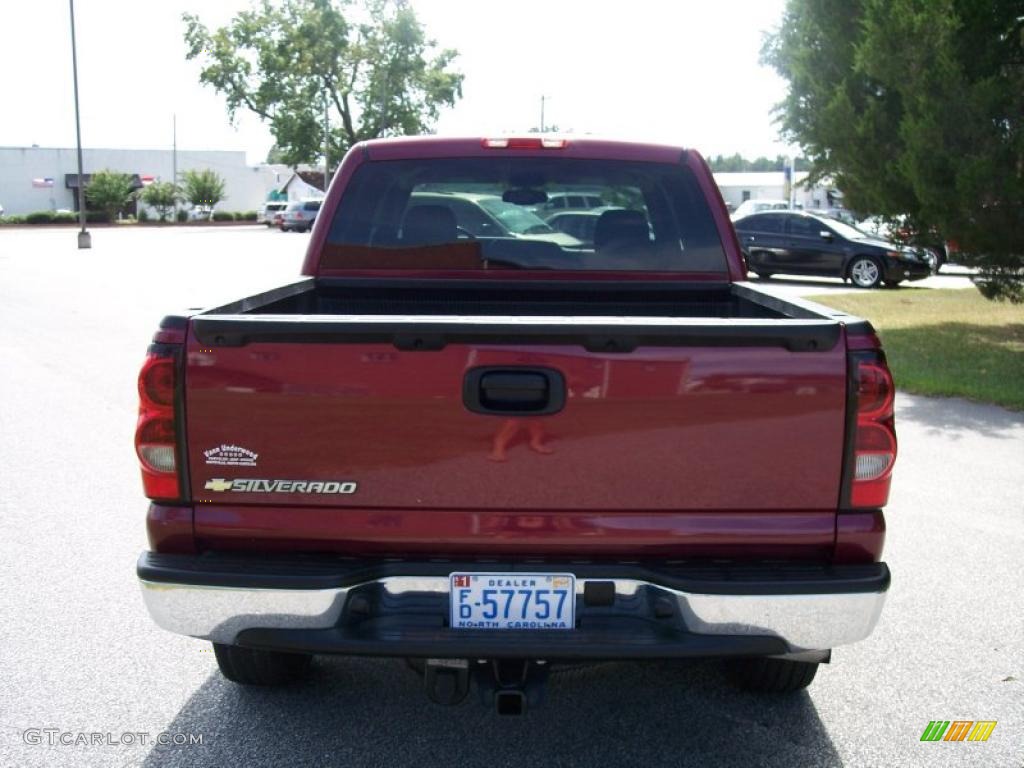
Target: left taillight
x=873 y=446
x=156 y=434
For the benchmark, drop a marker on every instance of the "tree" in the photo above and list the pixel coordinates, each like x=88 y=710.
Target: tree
x=274 y=156
x=737 y=163
x=371 y=63
x=162 y=195
x=203 y=189
x=109 y=191
x=915 y=108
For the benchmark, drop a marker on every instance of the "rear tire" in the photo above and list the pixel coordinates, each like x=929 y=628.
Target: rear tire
x=247 y=666
x=774 y=675
x=865 y=272
x=764 y=275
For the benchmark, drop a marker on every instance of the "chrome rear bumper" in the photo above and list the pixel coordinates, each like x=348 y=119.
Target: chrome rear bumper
x=815 y=614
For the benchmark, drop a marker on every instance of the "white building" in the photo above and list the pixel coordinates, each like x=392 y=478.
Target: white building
x=46 y=179
x=771 y=185
x=304 y=184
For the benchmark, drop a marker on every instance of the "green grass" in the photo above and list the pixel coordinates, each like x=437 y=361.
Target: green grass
x=946 y=342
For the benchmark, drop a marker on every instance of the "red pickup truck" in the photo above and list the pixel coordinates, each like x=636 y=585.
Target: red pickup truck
x=479 y=443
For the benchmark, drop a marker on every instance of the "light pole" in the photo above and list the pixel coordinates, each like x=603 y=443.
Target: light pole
x=174 y=160
x=792 y=182
x=327 y=146
x=84 y=238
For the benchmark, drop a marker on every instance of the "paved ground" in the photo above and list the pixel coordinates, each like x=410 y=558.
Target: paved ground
x=791 y=285
x=79 y=653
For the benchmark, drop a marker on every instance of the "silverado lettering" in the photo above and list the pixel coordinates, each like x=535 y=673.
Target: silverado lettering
x=252 y=485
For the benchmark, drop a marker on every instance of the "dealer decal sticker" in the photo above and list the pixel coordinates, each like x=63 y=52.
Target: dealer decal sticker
x=231 y=455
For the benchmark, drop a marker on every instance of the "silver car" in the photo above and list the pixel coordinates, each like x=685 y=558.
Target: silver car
x=299 y=216
x=269 y=213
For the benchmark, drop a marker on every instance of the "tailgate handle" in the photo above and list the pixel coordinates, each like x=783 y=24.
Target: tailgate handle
x=514 y=391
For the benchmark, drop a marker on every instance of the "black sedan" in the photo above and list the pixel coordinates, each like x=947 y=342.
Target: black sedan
x=798 y=243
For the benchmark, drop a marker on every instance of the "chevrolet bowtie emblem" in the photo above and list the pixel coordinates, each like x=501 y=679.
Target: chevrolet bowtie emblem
x=218 y=484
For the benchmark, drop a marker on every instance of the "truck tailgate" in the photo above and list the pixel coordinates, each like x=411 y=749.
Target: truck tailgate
x=343 y=418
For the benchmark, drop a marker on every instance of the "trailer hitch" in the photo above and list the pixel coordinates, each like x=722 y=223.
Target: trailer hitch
x=512 y=686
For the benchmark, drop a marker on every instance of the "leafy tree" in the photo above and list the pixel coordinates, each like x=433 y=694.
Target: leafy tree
x=275 y=156
x=109 y=191
x=162 y=195
x=371 y=62
x=916 y=108
x=203 y=189
x=737 y=163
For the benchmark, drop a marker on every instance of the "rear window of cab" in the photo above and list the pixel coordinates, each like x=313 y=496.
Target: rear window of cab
x=491 y=213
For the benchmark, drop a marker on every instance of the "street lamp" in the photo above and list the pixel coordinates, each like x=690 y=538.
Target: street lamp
x=84 y=238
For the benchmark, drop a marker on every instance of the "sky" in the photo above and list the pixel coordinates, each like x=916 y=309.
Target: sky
x=683 y=72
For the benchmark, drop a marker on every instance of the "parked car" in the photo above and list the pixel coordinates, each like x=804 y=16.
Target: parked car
x=580 y=224
x=931 y=246
x=469 y=452
x=481 y=215
x=299 y=216
x=268 y=215
x=565 y=201
x=835 y=213
x=799 y=243
x=748 y=207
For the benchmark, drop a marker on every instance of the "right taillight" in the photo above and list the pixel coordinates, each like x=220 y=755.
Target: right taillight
x=156 y=440
x=874 y=438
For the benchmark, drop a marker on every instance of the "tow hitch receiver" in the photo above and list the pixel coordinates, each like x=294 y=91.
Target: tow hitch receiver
x=511 y=686
x=446 y=680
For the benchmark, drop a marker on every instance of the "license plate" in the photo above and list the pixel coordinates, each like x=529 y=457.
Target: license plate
x=513 y=600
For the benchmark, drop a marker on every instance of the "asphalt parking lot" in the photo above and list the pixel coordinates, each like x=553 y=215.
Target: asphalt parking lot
x=80 y=654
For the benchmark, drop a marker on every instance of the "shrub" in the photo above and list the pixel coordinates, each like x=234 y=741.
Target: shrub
x=109 y=191
x=223 y=216
x=12 y=219
x=97 y=217
x=143 y=215
x=64 y=217
x=181 y=216
x=39 y=217
x=161 y=195
x=203 y=188
x=249 y=216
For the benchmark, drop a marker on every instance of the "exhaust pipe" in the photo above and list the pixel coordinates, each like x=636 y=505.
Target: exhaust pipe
x=510 y=702
x=446 y=680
